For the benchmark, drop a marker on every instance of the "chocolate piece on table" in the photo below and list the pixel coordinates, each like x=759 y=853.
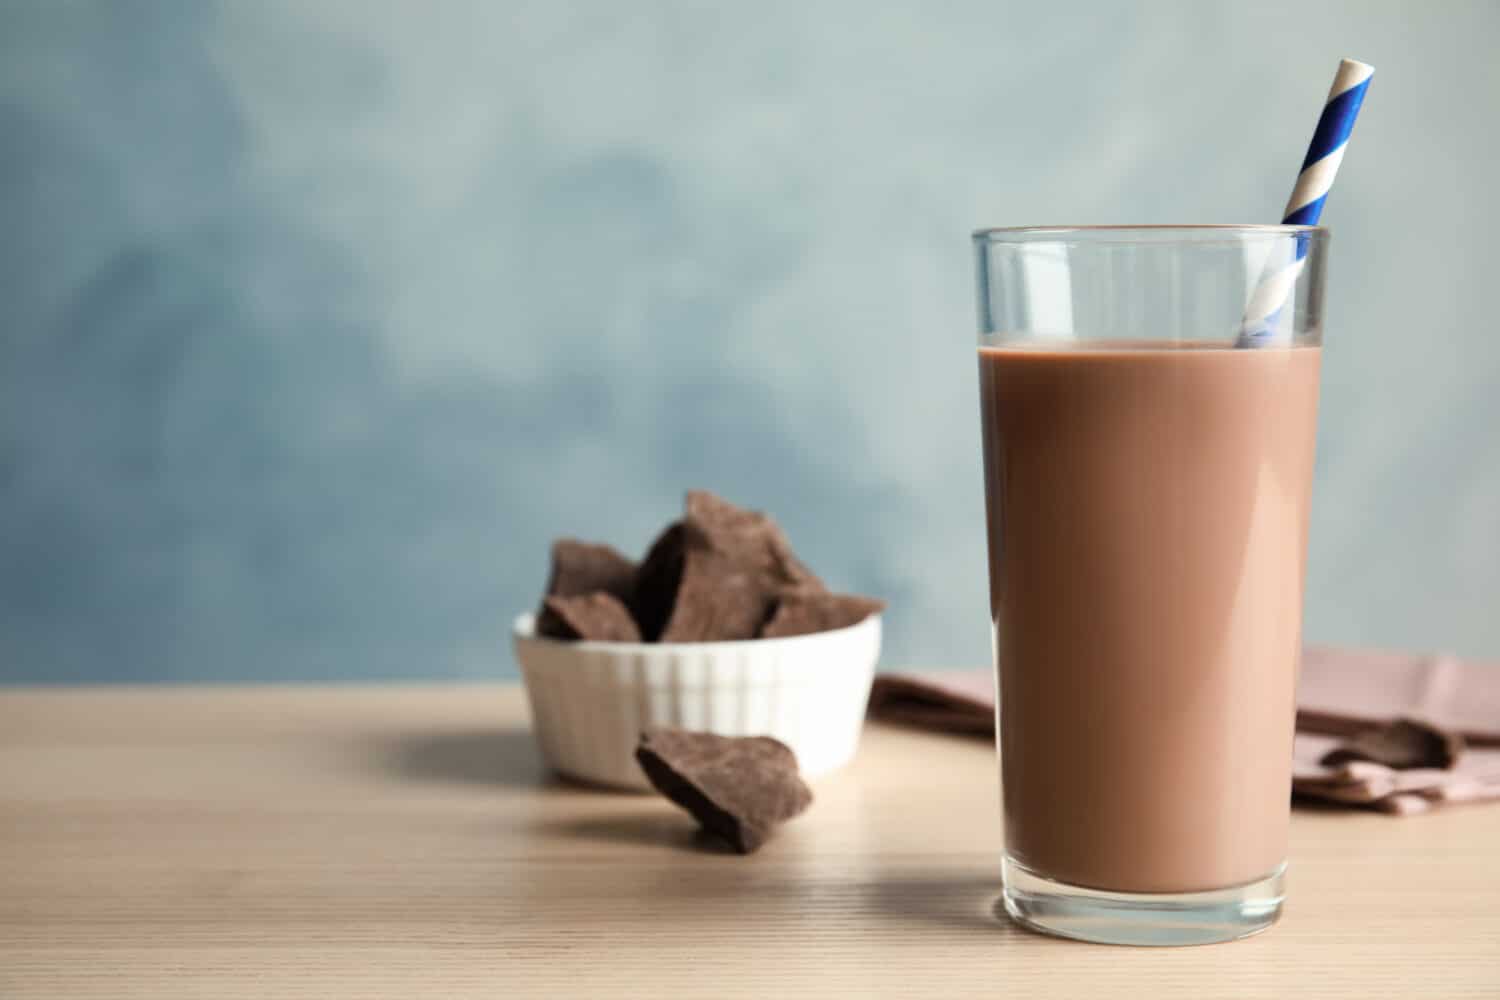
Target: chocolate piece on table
x=583 y=568
x=748 y=538
x=657 y=581
x=1402 y=744
x=599 y=616
x=716 y=601
x=738 y=788
x=800 y=612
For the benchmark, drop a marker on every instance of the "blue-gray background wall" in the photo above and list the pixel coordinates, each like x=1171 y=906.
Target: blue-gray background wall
x=320 y=319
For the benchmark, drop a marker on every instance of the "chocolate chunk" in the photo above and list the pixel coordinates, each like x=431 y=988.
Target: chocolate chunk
x=747 y=538
x=579 y=570
x=1402 y=744
x=657 y=581
x=598 y=616
x=799 y=612
x=738 y=788
x=582 y=568
x=716 y=601
x=715 y=575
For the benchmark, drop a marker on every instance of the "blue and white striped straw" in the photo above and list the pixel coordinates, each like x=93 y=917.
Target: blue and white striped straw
x=1260 y=327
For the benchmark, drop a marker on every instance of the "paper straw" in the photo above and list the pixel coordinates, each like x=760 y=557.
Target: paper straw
x=1260 y=327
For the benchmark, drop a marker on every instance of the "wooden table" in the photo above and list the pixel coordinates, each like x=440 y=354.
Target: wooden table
x=405 y=842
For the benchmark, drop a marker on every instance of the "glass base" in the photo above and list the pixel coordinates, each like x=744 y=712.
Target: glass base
x=1141 y=918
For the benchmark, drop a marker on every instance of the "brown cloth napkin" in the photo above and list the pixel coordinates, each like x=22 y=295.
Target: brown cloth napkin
x=1342 y=694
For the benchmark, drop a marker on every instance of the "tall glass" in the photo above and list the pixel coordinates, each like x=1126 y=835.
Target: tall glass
x=1147 y=486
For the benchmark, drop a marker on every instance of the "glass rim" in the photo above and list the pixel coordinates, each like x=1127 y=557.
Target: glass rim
x=1190 y=232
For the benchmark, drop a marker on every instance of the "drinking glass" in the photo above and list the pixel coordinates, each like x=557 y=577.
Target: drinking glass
x=1147 y=482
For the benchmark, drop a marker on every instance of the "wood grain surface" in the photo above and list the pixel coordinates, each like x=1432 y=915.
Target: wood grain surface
x=405 y=841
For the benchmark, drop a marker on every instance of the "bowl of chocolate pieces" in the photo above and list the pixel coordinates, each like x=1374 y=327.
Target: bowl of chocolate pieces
x=719 y=629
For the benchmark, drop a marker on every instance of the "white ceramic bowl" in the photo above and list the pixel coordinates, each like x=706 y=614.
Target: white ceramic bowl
x=590 y=700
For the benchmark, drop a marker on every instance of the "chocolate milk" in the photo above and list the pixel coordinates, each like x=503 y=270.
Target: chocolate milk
x=1147 y=535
